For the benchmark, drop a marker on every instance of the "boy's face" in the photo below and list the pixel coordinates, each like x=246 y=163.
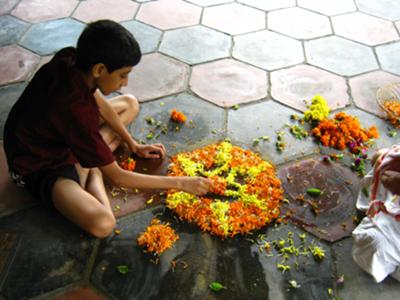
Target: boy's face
x=111 y=82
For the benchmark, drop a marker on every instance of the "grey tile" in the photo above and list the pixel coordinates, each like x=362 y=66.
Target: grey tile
x=267 y=50
x=340 y=56
x=265 y=119
x=387 y=55
x=51 y=252
x=204 y=124
x=49 y=37
x=195 y=44
x=359 y=285
x=148 y=37
x=386 y=9
x=238 y=264
x=11 y=30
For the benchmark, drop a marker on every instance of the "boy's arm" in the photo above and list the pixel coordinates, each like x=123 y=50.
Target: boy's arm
x=122 y=178
x=111 y=118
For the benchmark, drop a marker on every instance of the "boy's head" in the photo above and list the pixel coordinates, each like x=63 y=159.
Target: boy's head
x=106 y=43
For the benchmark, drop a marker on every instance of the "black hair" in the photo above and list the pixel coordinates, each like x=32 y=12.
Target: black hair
x=107 y=42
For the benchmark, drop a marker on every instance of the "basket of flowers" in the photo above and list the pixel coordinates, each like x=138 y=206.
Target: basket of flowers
x=388 y=98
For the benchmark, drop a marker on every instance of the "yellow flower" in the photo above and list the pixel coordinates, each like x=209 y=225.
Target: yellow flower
x=318 y=110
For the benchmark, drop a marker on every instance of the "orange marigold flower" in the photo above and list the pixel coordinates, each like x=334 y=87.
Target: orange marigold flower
x=178 y=116
x=343 y=130
x=158 y=237
x=128 y=164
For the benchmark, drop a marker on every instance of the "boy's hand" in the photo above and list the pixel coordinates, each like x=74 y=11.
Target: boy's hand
x=150 y=151
x=391 y=181
x=195 y=185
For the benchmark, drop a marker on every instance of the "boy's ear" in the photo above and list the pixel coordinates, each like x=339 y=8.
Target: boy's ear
x=98 y=70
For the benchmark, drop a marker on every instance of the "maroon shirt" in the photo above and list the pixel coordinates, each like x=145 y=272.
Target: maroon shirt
x=55 y=122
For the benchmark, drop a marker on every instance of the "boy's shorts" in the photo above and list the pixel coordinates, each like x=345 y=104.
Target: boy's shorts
x=40 y=184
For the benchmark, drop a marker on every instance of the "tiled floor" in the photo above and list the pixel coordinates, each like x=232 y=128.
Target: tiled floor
x=206 y=57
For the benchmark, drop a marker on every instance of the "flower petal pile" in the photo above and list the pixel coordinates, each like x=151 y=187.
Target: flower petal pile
x=177 y=116
x=128 y=164
x=247 y=194
x=343 y=131
x=158 y=237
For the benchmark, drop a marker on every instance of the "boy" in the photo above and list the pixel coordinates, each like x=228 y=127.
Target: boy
x=60 y=134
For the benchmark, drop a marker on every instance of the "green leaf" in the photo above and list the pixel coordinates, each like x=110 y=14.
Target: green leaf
x=216 y=286
x=123 y=269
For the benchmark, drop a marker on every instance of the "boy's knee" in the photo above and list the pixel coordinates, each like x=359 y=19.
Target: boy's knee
x=132 y=104
x=103 y=225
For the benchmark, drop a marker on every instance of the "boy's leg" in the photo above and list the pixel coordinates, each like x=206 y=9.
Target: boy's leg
x=90 y=209
x=127 y=108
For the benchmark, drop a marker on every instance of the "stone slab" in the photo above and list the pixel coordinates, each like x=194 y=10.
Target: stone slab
x=265 y=119
x=51 y=253
x=204 y=124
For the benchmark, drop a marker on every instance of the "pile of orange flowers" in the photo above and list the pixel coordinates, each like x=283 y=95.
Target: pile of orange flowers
x=246 y=194
x=343 y=132
x=158 y=237
x=128 y=164
x=393 y=109
x=178 y=116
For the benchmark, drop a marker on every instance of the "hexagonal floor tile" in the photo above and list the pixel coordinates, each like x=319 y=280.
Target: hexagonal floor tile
x=233 y=18
x=148 y=37
x=16 y=64
x=270 y=4
x=228 y=82
x=268 y=50
x=329 y=8
x=156 y=76
x=195 y=44
x=364 y=87
x=330 y=215
x=387 y=56
x=11 y=30
x=340 y=56
x=49 y=37
x=208 y=2
x=386 y=9
x=117 y=10
x=35 y=11
x=355 y=277
x=204 y=124
x=167 y=14
x=7 y=6
x=294 y=85
x=364 y=29
x=267 y=118
x=303 y=24
x=51 y=253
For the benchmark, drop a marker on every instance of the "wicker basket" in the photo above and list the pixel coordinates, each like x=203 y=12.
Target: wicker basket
x=386 y=94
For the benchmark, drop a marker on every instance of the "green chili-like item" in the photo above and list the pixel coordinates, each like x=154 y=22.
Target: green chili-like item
x=314 y=192
x=216 y=286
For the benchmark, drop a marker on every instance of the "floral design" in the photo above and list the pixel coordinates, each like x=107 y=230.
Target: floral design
x=237 y=174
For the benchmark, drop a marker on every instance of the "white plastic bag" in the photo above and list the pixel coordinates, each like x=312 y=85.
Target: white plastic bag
x=376 y=247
